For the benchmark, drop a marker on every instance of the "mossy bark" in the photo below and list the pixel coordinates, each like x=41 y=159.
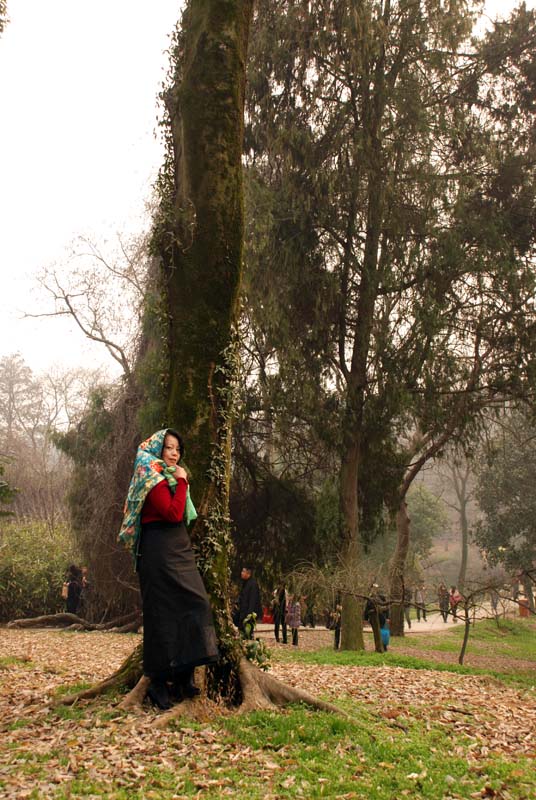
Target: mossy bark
x=197 y=239
x=199 y=242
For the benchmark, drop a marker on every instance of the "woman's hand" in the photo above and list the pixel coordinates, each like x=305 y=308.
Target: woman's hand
x=180 y=473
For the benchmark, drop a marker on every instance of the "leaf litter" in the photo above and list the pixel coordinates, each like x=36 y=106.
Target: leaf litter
x=47 y=750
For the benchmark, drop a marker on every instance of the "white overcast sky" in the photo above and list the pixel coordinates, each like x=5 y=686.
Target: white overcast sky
x=78 y=151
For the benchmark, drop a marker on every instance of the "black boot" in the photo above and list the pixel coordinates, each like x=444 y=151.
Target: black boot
x=184 y=684
x=159 y=695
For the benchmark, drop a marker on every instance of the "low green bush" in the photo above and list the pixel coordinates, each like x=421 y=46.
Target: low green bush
x=33 y=561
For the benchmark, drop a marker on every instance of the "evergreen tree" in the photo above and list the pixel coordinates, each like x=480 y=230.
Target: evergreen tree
x=506 y=482
x=390 y=258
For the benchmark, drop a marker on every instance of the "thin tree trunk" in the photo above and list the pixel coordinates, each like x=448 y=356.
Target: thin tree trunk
x=465 y=545
x=467 y=629
x=397 y=569
x=352 y=608
x=527 y=586
x=374 y=620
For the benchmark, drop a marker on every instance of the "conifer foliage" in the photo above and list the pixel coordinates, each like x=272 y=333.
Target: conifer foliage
x=392 y=162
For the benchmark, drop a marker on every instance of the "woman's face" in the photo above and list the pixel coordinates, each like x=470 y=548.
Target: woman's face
x=170 y=452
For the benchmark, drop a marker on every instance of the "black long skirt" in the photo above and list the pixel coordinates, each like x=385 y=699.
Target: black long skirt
x=178 y=631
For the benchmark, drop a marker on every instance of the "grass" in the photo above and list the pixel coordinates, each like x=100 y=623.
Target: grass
x=10 y=661
x=525 y=679
x=514 y=639
x=318 y=755
x=304 y=754
x=71 y=688
x=296 y=753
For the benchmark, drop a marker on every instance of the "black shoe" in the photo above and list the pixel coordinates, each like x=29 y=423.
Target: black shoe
x=184 y=685
x=190 y=690
x=159 y=695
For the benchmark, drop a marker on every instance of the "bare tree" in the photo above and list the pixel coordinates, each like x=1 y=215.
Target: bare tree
x=32 y=409
x=458 y=473
x=102 y=288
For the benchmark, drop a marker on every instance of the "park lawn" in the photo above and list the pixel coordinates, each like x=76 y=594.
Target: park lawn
x=512 y=637
x=506 y=651
x=407 y=730
x=509 y=647
x=296 y=753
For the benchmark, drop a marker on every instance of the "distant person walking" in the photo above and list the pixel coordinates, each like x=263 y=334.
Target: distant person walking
x=385 y=629
x=309 y=615
x=408 y=594
x=74 y=589
x=249 y=602
x=335 y=623
x=294 y=618
x=443 y=600
x=454 y=600
x=420 y=603
x=85 y=593
x=280 y=611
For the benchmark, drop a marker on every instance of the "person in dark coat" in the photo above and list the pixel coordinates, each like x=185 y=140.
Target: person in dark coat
x=335 y=622
x=74 y=589
x=280 y=611
x=249 y=601
x=408 y=595
x=178 y=629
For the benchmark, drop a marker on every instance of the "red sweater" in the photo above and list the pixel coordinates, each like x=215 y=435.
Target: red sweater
x=160 y=504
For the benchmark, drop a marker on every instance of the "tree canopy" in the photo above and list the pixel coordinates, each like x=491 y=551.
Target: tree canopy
x=391 y=170
x=506 y=491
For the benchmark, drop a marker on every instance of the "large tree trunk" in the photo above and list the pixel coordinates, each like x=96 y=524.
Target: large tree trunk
x=397 y=569
x=201 y=253
x=198 y=237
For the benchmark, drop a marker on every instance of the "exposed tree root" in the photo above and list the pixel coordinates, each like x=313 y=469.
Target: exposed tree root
x=201 y=710
x=128 y=623
x=48 y=620
x=262 y=691
x=259 y=691
x=127 y=675
x=134 y=699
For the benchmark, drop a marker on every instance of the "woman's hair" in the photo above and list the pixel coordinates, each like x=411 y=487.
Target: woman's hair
x=177 y=436
x=74 y=573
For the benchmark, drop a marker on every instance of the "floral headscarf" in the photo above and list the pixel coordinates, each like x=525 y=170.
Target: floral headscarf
x=149 y=470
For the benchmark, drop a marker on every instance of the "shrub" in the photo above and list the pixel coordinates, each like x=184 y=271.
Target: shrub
x=33 y=561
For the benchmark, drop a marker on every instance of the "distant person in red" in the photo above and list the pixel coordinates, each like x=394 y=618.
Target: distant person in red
x=178 y=631
x=454 y=600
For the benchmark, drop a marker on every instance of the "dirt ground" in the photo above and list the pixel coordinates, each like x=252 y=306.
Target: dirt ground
x=114 y=746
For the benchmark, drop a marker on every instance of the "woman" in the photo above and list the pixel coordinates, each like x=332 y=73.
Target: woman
x=443 y=598
x=293 y=618
x=74 y=589
x=178 y=632
x=454 y=599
